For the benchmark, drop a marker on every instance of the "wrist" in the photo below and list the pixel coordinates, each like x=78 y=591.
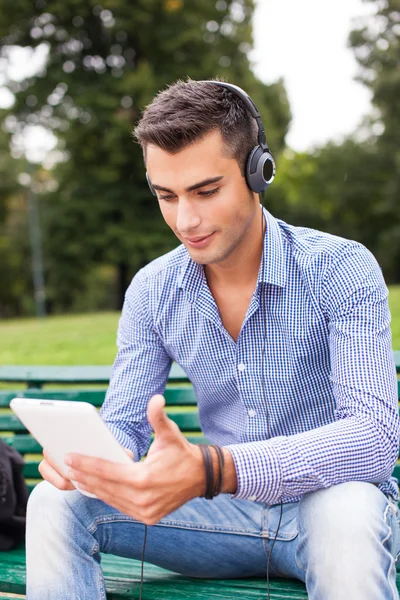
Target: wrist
x=230 y=477
x=199 y=473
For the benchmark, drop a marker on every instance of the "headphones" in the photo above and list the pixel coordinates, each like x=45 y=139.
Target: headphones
x=260 y=165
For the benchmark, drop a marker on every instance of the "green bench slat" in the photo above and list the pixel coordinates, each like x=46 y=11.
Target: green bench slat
x=10 y=422
x=396 y=471
x=24 y=443
x=186 y=421
x=174 y=395
x=95 y=397
x=31 y=470
x=396 y=354
x=122 y=578
x=36 y=376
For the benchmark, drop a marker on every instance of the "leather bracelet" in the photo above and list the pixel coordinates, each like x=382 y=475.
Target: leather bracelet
x=209 y=469
x=221 y=460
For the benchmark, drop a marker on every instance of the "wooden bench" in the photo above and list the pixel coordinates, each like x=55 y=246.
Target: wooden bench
x=122 y=575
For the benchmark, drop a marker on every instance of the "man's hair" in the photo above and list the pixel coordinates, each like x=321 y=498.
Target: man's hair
x=188 y=110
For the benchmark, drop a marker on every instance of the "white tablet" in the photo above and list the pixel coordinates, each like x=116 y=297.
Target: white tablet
x=63 y=427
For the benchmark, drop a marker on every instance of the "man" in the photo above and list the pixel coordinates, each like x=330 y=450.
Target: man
x=284 y=333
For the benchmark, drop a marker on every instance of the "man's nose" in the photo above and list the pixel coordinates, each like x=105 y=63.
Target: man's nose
x=187 y=217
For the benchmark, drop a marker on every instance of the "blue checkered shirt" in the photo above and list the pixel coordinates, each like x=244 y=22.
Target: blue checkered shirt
x=307 y=396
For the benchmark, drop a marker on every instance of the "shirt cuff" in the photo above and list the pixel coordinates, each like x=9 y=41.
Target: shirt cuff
x=125 y=441
x=258 y=472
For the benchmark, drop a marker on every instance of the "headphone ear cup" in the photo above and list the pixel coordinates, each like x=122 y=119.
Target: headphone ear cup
x=150 y=186
x=260 y=169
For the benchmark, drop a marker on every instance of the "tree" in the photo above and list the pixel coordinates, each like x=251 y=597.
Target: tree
x=352 y=189
x=337 y=188
x=15 y=288
x=377 y=48
x=104 y=63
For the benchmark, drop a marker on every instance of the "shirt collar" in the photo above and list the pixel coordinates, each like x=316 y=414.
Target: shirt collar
x=272 y=268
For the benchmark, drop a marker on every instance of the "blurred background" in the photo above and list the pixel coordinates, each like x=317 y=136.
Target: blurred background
x=76 y=217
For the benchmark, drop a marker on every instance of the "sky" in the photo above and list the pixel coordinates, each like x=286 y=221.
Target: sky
x=305 y=43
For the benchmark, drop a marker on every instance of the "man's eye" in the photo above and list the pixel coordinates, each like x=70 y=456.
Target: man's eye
x=168 y=197
x=209 y=192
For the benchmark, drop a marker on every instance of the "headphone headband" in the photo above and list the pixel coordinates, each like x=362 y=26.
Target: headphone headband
x=252 y=108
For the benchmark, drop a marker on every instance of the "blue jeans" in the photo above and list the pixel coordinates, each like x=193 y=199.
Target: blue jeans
x=342 y=542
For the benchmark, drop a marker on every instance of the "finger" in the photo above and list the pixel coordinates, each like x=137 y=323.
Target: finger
x=162 y=425
x=52 y=476
x=53 y=464
x=98 y=468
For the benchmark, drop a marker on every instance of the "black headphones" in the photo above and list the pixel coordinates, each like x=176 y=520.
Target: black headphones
x=260 y=165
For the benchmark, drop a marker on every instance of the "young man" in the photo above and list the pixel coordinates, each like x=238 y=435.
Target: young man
x=284 y=333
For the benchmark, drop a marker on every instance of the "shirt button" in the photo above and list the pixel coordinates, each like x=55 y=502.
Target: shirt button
x=241 y=367
x=252 y=412
x=252 y=498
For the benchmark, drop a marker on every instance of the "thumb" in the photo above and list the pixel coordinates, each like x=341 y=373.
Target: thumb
x=161 y=424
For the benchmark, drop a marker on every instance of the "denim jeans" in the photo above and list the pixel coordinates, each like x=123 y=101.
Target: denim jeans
x=342 y=542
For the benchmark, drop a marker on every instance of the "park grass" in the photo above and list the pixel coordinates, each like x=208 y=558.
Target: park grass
x=394 y=303
x=90 y=338
x=87 y=339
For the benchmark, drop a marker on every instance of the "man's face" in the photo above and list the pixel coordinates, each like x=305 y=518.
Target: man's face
x=204 y=198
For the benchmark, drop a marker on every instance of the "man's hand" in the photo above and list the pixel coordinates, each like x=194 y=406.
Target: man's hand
x=51 y=473
x=171 y=474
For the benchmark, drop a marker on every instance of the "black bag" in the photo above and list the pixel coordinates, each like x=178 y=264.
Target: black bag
x=13 y=498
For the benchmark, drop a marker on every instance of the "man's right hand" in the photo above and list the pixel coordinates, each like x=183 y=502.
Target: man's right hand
x=51 y=473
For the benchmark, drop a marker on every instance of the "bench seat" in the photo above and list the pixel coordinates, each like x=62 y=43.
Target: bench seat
x=123 y=582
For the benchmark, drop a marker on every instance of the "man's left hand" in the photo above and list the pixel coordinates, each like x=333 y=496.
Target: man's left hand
x=171 y=474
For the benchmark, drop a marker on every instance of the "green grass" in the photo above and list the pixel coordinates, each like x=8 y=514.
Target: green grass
x=90 y=338
x=394 y=303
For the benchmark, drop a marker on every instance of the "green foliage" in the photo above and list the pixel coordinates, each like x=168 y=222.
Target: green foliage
x=104 y=65
x=337 y=189
x=377 y=48
x=15 y=287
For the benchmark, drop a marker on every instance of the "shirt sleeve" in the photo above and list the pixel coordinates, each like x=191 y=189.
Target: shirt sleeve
x=362 y=442
x=140 y=370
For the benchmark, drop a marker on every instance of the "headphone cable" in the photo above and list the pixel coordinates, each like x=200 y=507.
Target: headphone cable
x=268 y=430
x=142 y=568
x=263 y=309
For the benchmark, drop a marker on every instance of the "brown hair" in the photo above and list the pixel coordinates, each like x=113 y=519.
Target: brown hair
x=187 y=110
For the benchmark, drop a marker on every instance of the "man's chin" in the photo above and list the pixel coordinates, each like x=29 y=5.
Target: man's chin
x=203 y=258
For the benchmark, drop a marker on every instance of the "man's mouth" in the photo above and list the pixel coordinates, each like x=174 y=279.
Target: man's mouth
x=198 y=241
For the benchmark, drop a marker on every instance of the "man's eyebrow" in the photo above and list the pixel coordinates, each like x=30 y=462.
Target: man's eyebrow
x=195 y=186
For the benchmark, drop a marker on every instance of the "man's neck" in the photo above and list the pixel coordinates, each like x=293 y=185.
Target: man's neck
x=242 y=269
